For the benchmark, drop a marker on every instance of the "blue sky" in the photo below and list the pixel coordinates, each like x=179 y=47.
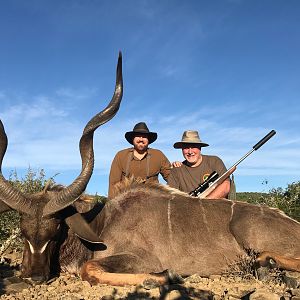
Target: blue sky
x=229 y=69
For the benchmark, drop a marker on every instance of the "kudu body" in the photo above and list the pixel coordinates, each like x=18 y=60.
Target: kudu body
x=145 y=229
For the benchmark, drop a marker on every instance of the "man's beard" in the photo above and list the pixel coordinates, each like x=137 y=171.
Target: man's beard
x=141 y=147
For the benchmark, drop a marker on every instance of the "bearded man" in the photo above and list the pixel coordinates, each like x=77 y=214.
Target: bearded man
x=139 y=161
x=196 y=167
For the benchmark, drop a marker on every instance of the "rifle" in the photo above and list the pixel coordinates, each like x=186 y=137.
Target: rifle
x=221 y=179
x=204 y=185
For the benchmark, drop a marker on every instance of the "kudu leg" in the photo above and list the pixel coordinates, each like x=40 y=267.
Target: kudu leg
x=94 y=273
x=273 y=260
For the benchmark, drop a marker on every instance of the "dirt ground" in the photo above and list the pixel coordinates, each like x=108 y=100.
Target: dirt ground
x=70 y=287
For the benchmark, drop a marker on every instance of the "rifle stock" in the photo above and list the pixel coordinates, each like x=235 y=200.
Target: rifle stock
x=217 y=182
x=222 y=178
x=203 y=186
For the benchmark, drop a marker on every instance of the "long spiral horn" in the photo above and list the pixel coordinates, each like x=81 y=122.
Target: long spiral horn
x=68 y=195
x=8 y=194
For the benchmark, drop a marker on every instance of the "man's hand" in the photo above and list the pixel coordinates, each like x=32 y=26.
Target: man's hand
x=176 y=164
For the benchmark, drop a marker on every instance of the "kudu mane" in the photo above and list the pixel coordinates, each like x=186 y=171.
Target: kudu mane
x=135 y=185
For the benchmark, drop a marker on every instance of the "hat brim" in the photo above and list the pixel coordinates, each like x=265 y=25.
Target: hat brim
x=130 y=135
x=179 y=145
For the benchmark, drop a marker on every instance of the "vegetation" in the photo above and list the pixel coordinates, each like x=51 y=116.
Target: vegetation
x=33 y=182
x=288 y=200
x=250 y=197
x=9 y=221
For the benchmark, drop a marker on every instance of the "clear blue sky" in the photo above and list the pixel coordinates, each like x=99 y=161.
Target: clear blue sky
x=229 y=69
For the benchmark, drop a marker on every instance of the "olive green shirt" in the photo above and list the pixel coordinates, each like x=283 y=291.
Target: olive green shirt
x=186 y=178
x=125 y=164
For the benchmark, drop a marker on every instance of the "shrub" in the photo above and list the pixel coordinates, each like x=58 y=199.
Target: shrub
x=287 y=200
x=9 y=231
x=9 y=221
x=251 y=197
x=33 y=182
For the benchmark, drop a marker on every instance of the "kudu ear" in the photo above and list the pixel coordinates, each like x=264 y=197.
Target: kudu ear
x=82 y=229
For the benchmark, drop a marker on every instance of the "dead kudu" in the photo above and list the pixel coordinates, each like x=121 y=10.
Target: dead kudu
x=144 y=230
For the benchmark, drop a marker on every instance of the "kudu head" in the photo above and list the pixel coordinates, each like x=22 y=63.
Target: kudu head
x=43 y=214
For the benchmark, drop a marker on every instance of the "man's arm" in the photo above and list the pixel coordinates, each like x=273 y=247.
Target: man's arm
x=172 y=181
x=165 y=168
x=115 y=176
x=208 y=193
x=221 y=191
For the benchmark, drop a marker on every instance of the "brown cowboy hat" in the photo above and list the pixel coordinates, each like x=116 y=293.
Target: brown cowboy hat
x=140 y=128
x=190 y=137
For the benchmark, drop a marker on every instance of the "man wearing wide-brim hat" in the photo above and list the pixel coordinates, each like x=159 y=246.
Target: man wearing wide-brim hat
x=140 y=161
x=196 y=167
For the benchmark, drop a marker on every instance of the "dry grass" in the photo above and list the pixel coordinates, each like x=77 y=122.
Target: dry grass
x=246 y=268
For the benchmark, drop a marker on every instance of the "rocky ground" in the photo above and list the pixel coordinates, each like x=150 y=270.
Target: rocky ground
x=284 y=287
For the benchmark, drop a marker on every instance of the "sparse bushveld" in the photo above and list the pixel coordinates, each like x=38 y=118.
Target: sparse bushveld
x=9 y=232
x=32 y=182
x=288 y=200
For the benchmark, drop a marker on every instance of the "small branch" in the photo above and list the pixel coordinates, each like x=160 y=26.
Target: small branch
x=15 y=233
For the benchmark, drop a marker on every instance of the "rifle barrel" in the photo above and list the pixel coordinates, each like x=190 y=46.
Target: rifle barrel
x=256 y=147
x=230 y=170
x=264 y=139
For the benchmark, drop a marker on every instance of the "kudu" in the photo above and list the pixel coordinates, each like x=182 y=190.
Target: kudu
x=144 y=230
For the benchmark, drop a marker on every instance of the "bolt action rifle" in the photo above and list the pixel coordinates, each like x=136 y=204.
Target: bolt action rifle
x=211 y=185
x=204 y=185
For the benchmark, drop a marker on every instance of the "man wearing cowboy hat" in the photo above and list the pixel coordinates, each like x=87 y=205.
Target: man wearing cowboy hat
x=186 y=176
x=139 y=161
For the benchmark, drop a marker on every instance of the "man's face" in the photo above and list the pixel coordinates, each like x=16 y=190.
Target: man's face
x=141 y=143
x=192 y=154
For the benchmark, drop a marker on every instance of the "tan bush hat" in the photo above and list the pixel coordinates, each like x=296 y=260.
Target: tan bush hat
x=190 y=137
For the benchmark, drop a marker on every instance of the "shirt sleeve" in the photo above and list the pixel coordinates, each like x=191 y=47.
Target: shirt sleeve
x=165 y=168
x=172 y=180
x=221 y=169
x=115 y=175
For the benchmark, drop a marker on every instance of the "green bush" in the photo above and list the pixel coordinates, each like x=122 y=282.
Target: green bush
x=9 y=221
x=251 y=197
x=33 y=181
x=9 y=225
x=287 y=200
